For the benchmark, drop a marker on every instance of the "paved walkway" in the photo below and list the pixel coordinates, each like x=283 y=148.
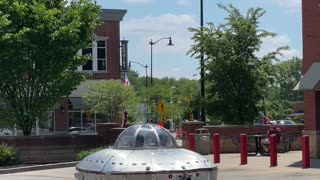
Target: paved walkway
x=258 y=167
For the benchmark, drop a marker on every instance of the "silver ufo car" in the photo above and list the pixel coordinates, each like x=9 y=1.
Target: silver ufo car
x=145 y=152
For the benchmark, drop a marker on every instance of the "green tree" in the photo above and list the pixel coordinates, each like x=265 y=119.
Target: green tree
x=287 y=75
x=236 y=78
x=280 y=97
x=111 y=98
x=39 y=41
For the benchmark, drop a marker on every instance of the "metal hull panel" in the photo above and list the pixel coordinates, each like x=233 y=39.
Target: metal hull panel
x=203 y=175
x=137 y=161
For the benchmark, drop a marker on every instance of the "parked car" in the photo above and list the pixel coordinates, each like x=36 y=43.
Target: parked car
x=77 y=130
x=285 y=122
x=5 y=132
x=258 y=122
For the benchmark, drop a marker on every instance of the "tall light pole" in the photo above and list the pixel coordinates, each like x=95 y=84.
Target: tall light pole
x=203 y=117
x=153 y=43
x=145 y=66
x=171 y=101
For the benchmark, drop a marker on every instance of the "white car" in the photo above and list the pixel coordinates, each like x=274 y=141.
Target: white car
x=285 y=122
x=5 y=132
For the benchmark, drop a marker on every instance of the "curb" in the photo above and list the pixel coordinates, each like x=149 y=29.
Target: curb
x=37 y=167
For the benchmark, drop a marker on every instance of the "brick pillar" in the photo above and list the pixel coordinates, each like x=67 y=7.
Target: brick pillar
x=311 y=54
x=61 y=119
x=312 y=121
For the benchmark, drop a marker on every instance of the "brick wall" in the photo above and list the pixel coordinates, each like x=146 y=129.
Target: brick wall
x=238 y=129
x=227 y=143
x=311 y=54
x=60 y=148
x=111 y=30
x=61 y=118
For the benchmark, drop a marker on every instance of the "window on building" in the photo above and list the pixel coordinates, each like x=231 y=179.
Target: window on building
x=88 y=65
x=98 y=51
x=82 y=122
x=101 y=55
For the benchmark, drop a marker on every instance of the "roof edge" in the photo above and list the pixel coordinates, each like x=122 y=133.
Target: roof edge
x=112 y=14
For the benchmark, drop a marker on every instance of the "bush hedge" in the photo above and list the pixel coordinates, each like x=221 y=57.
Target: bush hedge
x=8 y=155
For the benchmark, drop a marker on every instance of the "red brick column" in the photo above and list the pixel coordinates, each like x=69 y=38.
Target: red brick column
x=61 y=119
x=311 y=54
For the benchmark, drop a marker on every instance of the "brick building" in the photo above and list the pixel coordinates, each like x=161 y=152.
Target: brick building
x=105 y=64
x=310 y=83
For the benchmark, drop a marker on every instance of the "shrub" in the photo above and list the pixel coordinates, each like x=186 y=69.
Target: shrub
x=8 y=155
x=81 y=155
x=299 y=119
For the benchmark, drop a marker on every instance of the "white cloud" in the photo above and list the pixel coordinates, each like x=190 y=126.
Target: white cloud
x=168 y=61
x=156 y=27
x=289 y=54
x=183 y=3
x=288 y=3
x=138 y=1
x=271 y=44
x=290 y=6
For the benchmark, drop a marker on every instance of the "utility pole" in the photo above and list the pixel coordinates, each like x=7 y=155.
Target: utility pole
x=203 y=117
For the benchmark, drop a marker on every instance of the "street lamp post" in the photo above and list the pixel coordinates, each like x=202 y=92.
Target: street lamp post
x=153 y=43
x=145 y=66
x=203 y=118
x=171 y=101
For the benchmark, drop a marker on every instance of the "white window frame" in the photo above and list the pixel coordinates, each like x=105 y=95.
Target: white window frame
x=95 y=54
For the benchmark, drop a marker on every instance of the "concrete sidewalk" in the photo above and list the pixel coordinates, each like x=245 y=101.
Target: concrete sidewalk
x=258 y=167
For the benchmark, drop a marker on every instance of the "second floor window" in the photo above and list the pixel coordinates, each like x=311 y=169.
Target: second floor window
x=101 y=55
x=98 y=50
x=88 y=65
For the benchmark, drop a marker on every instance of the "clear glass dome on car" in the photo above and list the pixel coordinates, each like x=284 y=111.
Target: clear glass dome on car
x=145 y=136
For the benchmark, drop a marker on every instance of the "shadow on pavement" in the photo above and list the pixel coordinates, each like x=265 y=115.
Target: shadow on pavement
x=314 y=163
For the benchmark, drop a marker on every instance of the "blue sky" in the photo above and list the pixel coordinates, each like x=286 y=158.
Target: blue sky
x=154 y=19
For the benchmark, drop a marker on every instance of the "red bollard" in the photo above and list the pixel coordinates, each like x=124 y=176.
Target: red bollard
x=216 y=148
x=273 y=150
x=243 y=149
x=305 y=151
x=192 y=144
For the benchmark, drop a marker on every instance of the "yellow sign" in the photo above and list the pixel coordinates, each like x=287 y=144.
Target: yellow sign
x=163 y=120
x=162 y=108
x=191 y=117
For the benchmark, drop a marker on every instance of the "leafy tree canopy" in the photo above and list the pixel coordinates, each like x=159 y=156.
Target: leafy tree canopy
x=236 y=78
x=281 y=96
x=111 y=98
x=173 y=92
x=39 y=41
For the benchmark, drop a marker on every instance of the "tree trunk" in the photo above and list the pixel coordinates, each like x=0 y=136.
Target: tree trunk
x=26 y=132
x=26 y=126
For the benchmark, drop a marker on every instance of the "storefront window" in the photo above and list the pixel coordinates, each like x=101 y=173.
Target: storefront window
x=81 y=122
